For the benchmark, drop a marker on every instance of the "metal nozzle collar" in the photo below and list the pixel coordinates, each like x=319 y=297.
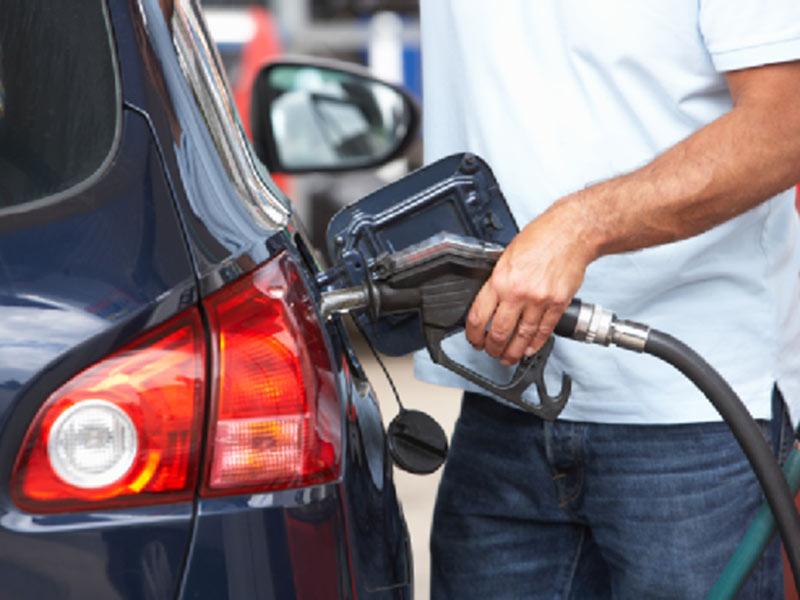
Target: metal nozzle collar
x=596 y=325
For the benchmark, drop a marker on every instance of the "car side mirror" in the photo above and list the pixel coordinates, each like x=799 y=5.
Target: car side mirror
x=326 y=116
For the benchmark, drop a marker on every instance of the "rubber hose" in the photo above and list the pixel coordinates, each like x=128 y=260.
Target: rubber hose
x=755 y=541
x=745 y=430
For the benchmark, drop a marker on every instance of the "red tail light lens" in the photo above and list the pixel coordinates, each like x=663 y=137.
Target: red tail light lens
x=126 y=431
x=275 y=419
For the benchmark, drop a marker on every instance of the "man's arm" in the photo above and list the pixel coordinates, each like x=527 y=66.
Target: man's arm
x=722 y=170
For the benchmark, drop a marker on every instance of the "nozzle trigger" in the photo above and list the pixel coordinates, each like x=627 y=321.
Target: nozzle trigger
x=530 y=370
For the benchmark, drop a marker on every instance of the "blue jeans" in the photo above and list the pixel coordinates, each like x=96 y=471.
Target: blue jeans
x=533 y=509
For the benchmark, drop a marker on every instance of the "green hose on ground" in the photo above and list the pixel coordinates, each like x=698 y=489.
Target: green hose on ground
x=755 y=540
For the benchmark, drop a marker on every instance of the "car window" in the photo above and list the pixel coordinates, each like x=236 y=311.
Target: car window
x=58 y=96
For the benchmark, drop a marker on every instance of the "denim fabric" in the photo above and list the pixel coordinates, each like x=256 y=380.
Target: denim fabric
x=532 y=509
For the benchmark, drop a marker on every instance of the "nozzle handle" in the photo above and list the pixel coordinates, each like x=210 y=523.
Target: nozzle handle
x=529 y=371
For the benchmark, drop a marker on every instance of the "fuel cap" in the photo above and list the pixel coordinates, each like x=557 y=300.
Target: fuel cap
x=417 y=443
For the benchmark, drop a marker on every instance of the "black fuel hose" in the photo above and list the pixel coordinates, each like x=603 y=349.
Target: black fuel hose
x=745 y=430
x=594 y=324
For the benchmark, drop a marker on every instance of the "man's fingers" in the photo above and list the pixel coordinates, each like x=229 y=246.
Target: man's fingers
x=502 y=328
x=546 y=327
x=526 y=331
x=480 y=314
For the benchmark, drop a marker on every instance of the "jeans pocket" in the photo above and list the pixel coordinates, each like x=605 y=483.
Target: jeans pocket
x=782 y=433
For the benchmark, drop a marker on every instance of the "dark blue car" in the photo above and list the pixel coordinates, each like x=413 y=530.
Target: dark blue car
x=175 y=419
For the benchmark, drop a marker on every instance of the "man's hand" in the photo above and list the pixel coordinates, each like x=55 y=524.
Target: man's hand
x=532 y=284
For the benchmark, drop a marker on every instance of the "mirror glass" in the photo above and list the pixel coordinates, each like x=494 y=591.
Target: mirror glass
x=327 y=119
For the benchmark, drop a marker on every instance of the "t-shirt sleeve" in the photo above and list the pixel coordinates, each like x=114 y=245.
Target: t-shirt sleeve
x=748 y=33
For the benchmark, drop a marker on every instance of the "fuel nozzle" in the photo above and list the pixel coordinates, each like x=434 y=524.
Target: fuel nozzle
x=438 y=279
x=444 y=273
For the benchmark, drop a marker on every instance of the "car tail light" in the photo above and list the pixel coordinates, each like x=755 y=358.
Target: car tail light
x=125 y=431
x=275 y=418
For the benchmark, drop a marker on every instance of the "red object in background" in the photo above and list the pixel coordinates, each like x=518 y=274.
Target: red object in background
x=264 y=44
x=797 y=198
x=789 y=592
x=247 y=38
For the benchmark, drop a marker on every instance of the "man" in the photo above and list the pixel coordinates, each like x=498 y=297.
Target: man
x=644 y=148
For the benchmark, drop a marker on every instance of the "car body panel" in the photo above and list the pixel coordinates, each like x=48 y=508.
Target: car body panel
x=62 y=275
x=72 y=305
x=219 y=224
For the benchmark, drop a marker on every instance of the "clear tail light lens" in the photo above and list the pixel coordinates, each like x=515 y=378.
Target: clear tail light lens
x=275 y=419
x=125 y=431
x=92 y=444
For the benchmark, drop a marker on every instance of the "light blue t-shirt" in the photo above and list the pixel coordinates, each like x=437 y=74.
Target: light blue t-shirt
x=558 y=95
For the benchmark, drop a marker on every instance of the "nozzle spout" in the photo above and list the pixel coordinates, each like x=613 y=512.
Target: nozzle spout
x=342 y=301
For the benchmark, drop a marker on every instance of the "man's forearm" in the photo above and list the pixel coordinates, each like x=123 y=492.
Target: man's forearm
x=722 y=170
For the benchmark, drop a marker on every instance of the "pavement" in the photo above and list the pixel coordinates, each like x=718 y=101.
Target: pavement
x=417 y=492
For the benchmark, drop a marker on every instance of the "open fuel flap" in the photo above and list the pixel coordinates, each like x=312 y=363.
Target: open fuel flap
x=457 y=195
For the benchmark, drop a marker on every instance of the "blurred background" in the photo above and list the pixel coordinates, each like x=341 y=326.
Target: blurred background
x=382 y=35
